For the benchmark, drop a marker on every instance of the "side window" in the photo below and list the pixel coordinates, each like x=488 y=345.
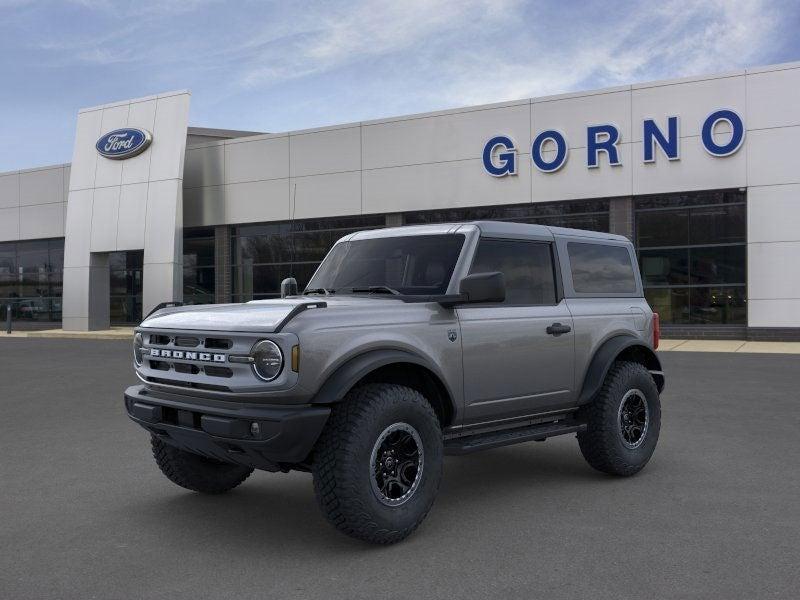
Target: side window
x=601 y=269
x=526 y=266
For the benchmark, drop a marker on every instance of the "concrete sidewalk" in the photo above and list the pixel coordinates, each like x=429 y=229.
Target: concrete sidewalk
x=115 y=333
x=729 y=346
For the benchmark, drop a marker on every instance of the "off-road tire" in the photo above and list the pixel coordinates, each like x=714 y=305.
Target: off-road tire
x=195 y=472
x=342 y=462
x=602 y=444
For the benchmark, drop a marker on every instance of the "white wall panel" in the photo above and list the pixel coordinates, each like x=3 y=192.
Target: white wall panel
x=692 y=101
x=66 y=175
x=773 y=270
x=161 y=282
x=773 y=156
x=141 y=115
x=696 y=170
x=79 y=218
x=773 y=313
x=257 y=160
x=169 y=137
x=76 y=286
x=327 y=151
x=257 y=201
x=43 y=186
x=132 y=213
x=443 y=138
x=41 y=221
x=575 y=180
x=162 y=234
x=84 y=156
x=773 y=99
x=326 y=195
x=109 y=171
x=572 y=115
x=9 y=224
x=9 y=190
x=773 y=214
x=441 y=185
x=105 y=216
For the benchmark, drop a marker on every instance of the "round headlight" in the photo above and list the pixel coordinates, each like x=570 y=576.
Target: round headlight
x=138 y=342
x=268 y=360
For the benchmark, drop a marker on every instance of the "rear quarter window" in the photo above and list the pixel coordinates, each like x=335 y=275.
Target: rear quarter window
x=601 y=269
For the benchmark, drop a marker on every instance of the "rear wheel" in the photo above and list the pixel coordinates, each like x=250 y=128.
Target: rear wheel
x=623 y=421
x=378 y=463
x=195 y=472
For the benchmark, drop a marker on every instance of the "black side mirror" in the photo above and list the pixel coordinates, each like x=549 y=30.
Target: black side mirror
x=483 y=287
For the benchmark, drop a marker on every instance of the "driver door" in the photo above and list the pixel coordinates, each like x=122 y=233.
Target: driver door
x=514 y=367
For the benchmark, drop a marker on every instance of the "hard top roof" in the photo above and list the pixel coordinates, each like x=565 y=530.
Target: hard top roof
x=503 y=228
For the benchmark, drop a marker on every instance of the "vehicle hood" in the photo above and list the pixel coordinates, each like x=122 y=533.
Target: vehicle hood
x=263 y=316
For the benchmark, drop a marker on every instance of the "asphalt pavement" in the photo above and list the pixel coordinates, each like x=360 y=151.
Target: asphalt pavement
x=85 y=513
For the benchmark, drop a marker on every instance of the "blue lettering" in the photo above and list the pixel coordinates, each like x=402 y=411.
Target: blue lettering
x=736 y=140
x=652 y=135
x=602 y=138
x=507 y=158
x=561 y=151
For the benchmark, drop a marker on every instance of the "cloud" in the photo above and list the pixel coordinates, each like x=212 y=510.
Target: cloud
x=276 y=65
x=670 y=40
x=327 y=39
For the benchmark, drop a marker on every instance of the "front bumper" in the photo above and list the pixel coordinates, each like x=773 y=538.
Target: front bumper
x=284 y=435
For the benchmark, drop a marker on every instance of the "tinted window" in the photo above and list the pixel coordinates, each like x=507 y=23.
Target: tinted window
x=526 y=266
x=601 y=269
x=419 y=264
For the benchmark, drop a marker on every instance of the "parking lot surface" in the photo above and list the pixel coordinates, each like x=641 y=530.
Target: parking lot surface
x=86 y=513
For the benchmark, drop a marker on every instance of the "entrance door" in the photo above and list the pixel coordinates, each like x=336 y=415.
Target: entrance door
x=512 y=366
x=125 y=269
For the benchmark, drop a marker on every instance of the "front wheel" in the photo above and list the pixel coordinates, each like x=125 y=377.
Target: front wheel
x=378 y=463
x=623 y=421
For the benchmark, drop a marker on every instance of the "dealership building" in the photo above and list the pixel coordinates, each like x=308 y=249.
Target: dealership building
x=702 y=173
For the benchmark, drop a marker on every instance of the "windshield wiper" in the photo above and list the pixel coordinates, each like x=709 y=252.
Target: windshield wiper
x=375 y=289
x=320 y=290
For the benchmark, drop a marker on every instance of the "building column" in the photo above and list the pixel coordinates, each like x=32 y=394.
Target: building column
x=86 y=303
x=620 y=217
x=222 y=264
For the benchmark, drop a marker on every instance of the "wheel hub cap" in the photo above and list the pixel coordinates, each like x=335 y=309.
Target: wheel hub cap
x=396 y=464
x=633 y=418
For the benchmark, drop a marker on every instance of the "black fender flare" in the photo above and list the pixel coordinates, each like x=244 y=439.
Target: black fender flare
x=353 y=370
x=605 y=356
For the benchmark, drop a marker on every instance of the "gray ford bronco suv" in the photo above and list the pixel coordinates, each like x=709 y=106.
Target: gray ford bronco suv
x=408 y=344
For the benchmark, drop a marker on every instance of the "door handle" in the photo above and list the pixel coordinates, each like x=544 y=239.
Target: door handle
x=557 y=329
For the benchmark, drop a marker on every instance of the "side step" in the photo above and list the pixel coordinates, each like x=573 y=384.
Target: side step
x=506 y=437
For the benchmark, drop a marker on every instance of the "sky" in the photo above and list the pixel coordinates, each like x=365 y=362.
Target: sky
x=279 y=65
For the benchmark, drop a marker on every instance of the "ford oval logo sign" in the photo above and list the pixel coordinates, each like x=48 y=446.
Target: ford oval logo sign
x=123 y=143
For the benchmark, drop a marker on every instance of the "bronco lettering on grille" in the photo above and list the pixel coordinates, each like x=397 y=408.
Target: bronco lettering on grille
x=182 y=354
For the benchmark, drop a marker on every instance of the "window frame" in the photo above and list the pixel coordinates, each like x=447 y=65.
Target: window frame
x=557 y=283
x=562 y=243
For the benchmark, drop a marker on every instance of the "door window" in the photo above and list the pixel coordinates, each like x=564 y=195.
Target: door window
x=526 y=266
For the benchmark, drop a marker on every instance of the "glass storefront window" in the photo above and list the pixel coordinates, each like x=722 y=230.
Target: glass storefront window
x=30 y=279
x=693 y=256
x=265 y=254
x=199 y=266
x=662 y=228
x=584 y=214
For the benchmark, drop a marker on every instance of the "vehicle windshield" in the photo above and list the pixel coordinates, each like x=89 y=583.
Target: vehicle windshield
x=408 y=265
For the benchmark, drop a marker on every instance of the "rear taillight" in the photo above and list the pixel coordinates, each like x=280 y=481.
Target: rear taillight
x=656 y=330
